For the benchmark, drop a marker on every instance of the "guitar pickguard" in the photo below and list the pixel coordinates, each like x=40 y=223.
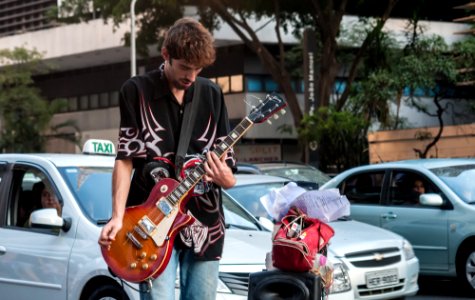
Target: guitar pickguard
x=159 y=233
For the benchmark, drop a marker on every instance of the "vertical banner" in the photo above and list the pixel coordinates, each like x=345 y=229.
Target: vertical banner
x=310 y=84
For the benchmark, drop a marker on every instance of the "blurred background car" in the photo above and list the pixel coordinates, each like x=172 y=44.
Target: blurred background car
x=370 y=263
x=430 y=202
x=305 y=175
x=58 y=257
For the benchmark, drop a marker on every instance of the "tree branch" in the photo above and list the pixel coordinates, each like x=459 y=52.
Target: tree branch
x=359 y=56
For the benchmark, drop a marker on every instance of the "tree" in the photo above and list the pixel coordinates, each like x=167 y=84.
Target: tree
x=341 y=137
x=25 y=115
x=324 y=16
x=427 y=70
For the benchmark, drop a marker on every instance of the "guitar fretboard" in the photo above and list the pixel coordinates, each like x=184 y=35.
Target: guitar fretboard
x=194 y=176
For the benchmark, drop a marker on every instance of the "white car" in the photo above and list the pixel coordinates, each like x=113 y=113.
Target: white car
x=369 y=262
x=46 y=256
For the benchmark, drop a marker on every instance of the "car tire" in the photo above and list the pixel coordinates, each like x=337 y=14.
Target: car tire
x=107 y=292
x=466 y=268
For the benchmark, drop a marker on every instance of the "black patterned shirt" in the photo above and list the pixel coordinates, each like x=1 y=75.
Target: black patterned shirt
x=150 y=125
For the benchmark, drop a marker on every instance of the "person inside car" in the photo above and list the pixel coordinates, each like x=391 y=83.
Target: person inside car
x=418 y=189
x=419 y=186
x=46 y=197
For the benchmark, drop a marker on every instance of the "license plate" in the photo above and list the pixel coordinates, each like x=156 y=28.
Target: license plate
x=381 y=278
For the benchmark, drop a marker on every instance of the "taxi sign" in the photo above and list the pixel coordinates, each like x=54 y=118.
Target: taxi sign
x=101 y=147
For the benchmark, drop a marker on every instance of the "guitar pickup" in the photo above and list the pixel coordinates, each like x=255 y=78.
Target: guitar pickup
x=164 y=206
x=147 y=225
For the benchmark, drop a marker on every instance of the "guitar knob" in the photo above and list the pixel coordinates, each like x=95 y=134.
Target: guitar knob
x=269 y=121
x=153 y=257
x=282 y=112
x=133 y=265
x=143 y=254
x=276 y=117
x=144 y=266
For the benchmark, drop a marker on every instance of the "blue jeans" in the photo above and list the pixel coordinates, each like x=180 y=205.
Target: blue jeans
x=198 y=279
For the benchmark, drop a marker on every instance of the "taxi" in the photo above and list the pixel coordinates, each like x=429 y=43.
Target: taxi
x=52 y=208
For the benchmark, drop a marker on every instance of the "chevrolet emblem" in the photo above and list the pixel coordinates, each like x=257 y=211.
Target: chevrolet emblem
x=378 y=256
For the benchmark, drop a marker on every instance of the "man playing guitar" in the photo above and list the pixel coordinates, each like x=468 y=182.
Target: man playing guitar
x=151 y=111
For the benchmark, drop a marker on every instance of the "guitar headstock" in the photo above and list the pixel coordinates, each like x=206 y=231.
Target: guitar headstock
x=271 y=104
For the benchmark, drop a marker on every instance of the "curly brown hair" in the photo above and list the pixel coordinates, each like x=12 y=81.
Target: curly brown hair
x=188 y=39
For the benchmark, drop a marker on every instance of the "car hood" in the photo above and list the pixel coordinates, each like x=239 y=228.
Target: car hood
x=354 y=236
x=246 y=247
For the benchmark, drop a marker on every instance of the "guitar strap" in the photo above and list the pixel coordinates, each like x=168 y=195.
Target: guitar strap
x=187 y=124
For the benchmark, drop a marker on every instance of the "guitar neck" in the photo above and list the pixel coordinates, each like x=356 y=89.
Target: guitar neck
x=197 y=173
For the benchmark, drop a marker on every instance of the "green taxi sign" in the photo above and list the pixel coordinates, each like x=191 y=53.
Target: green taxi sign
x=101 y=147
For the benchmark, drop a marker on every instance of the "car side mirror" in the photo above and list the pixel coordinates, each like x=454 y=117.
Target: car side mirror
x=48 y=218
x=431 y=199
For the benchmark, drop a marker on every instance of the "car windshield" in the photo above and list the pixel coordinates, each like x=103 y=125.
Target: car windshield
x=92 y=187
x=460 y=180
x=299 y=174
x=249 y=196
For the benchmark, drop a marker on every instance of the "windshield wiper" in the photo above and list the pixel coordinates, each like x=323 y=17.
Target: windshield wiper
x=228 y=225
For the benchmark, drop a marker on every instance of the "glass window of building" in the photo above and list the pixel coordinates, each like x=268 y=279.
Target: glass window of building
x=83 y=102
x=236 y=84
x=223 y=82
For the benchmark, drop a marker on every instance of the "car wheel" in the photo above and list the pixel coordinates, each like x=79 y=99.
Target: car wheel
x=108 y=292
x=466 y=268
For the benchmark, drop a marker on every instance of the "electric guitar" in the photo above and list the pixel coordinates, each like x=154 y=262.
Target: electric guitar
x=142 y=248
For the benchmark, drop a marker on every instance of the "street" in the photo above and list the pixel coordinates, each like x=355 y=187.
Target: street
x=434 y=288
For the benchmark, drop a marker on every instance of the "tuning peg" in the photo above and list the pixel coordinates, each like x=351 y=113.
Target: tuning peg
x=269 y=121
x=276 y=117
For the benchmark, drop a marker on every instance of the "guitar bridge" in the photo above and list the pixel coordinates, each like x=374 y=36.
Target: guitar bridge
x=140 y=232
x=134 y=240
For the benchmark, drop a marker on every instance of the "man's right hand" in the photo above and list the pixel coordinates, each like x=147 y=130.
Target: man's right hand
x=109 y=231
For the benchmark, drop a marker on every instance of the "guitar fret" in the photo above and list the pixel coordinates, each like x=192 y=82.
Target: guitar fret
x=172 y=198
x=177 y=193
x=182 y=189
x=187 y=183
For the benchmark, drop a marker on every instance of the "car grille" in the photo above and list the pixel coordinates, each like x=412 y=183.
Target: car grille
x=238 y=283
x=376 y=258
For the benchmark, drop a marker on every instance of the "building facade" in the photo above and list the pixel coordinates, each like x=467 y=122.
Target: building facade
x=90 y=62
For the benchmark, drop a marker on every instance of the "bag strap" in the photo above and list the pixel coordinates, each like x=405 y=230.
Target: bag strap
x=187 y=124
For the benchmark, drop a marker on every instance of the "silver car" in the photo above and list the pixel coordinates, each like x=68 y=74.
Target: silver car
x=306 y=175
x=369 y=263
x=430 y=202
x=47 y=253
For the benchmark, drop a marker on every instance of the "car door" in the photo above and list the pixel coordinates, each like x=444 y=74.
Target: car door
x=364 y=191
x=33 y=261
x=426 y=227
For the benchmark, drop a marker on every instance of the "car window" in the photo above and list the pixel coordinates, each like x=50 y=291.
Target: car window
x=299 y=174
x=363 y=188
x=249 y=196
x=406 y=186
x=92 y=188
x=235 y=216
x=31 y=190
x=459 y=179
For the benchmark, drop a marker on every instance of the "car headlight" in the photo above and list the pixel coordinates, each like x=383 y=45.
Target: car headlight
x=341 y=279
x=408 y=250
